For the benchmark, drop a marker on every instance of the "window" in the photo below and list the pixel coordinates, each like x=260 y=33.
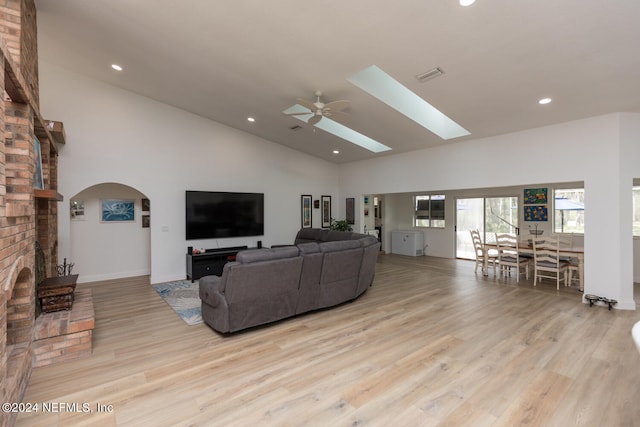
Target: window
x=501 y=216
x=568 y=210
x=636 y=211
x=429 y=211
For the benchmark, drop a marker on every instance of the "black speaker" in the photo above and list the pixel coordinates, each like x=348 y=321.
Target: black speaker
x=190 y=250
x=259 y=244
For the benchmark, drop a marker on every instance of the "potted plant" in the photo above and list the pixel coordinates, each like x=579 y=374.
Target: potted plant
x=340 y=225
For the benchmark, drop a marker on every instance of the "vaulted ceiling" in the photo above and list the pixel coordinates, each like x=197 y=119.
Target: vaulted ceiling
x=230 y=60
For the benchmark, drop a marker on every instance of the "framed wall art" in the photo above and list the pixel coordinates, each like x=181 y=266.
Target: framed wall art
x=38 y=179
x=326 y=211
x=351 y=211
x=535 y=213
x=306 y=211
x=114 y=210
x=535 y=196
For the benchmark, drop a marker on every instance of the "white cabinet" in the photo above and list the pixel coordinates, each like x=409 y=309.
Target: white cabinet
x=407 y=242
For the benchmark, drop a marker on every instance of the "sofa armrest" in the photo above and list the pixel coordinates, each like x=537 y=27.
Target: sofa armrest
x=211 y=291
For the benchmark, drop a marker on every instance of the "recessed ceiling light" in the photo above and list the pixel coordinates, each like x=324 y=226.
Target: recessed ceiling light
x=336 y=151
x=544 y=101
x=116 y=67
x=251 y=119
x=467 y=2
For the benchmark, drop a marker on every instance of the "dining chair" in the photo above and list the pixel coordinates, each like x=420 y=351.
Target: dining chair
x=546 y=261
x=566 y=241
x=478 y=246
x=509 y=256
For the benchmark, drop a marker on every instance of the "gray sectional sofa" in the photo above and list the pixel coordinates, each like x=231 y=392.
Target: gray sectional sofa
x=322 y=269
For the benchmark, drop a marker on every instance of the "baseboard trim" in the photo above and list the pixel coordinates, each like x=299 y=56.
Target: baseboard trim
x=83 y=278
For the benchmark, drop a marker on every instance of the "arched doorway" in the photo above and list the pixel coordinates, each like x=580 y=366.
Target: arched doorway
x=110 y=233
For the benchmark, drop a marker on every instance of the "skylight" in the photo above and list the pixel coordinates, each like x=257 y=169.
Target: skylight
x=382 y=86
x=339 y=130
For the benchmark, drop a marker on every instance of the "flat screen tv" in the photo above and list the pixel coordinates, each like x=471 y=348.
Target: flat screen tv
x=216 y=214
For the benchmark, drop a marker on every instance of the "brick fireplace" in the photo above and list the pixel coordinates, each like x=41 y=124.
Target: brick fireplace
x=27 y=214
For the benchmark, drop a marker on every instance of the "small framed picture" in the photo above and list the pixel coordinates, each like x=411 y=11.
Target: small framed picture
x=77 y=210
x=326 y=211
x=306 y=211
x=146 y=221
x=146 y=205
x=350 y=214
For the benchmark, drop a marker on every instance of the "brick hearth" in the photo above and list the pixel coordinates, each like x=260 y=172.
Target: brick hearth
x=65 y=335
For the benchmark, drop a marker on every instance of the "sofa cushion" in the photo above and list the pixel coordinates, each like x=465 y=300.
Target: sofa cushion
x=335 y=235
x=259 y=255
x=308 y=248
x=339 y=245
x=262 y=292
x=309 y=289
x=358 y=236
x=309 y=235
x=340 y=269
x=367 y=240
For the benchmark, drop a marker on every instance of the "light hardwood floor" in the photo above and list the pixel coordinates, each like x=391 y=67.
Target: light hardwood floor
x=431 y=343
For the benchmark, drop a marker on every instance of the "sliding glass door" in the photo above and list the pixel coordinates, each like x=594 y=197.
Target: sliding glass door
x=469 y=216
x=490 y=215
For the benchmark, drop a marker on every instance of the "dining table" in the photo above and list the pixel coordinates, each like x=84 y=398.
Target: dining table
x=525 y=246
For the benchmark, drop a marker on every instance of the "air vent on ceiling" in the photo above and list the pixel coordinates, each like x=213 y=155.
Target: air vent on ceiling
x=295 y=127
x=431 y=74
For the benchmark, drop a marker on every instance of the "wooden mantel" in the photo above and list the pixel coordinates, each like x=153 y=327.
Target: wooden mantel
x=48 y=195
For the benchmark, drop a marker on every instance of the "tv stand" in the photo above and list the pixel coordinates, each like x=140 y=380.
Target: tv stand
x=211 y=262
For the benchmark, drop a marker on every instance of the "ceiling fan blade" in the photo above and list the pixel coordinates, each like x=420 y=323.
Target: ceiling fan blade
x=307 y=104
x=315 y=119
x=306 y=113
x=339 y=116
x=337 y=105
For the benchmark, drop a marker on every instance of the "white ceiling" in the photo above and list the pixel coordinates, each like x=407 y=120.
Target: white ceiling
x=227 y=60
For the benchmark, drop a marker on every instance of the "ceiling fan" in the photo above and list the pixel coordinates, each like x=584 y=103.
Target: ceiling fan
x=319 y=109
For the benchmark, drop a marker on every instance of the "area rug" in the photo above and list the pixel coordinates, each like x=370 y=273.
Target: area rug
x=183 y=296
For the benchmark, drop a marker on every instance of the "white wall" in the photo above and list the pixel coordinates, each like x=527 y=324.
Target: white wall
x=160 y=151
x=602 y=152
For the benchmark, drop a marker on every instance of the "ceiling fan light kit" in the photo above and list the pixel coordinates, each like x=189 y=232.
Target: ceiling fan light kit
x=319 y=109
